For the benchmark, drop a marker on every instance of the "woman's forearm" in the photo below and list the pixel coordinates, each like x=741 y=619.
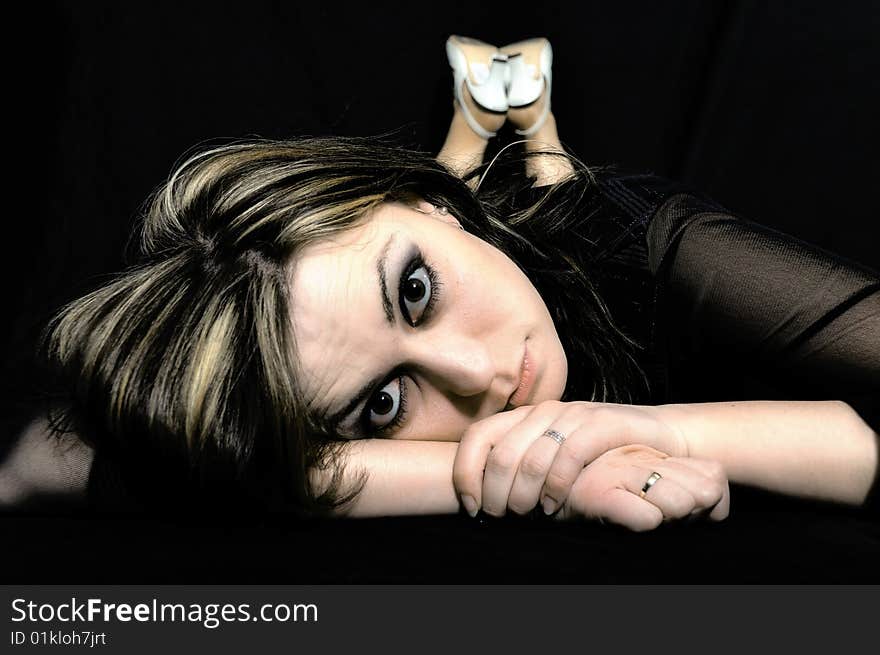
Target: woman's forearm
x=40 y=468
x=821 y=450
x=403 y=477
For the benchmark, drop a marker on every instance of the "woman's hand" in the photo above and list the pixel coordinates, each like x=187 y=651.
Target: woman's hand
x=610 y=488
x=506 y=461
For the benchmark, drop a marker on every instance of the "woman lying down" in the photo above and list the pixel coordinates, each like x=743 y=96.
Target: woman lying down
x=341 y=326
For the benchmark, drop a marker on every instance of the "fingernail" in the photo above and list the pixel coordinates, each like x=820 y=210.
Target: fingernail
x=470 y=505
x=549 y=506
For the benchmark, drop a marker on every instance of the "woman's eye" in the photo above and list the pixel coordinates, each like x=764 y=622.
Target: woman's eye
x=384 y=407
x=416 y=293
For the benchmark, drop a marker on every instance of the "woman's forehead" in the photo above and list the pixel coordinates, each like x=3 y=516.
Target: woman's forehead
x=335 y=302
x=330 y=277
x=322 y=263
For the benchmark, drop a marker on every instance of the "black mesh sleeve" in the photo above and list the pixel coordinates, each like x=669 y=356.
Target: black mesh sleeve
x=800 y=321
x=747 y=312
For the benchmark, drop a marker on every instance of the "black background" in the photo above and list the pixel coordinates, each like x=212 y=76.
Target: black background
x=771 y=108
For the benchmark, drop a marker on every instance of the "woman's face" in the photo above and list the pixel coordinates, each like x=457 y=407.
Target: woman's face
x=409 y=311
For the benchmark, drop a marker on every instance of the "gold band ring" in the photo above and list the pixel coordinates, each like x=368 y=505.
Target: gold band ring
x=650 y=483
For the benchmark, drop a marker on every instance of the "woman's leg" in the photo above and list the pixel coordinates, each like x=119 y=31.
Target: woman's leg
x=473 y=62
x=545 y=169
x=464 y=148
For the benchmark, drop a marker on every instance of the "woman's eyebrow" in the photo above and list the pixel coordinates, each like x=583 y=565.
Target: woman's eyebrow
x=382 y=270
x=333 y=420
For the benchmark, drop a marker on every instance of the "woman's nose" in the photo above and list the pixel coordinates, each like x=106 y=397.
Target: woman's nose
x=458 y=363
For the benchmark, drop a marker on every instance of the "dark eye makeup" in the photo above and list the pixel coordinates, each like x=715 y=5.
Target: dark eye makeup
x=412 y=281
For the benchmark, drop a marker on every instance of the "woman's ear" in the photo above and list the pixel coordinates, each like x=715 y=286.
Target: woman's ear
x=425 y=207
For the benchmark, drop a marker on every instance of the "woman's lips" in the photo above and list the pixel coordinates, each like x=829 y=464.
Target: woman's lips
x=527 y=378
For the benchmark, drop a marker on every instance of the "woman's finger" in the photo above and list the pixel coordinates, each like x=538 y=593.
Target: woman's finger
x=673 y=500
x=504 y=459
x=525 y=493
x=529 y=478
x=623 y=508
x=662 y=490
x=713 y=471
x=473 y=450
x=708 y=492
x=602 y=429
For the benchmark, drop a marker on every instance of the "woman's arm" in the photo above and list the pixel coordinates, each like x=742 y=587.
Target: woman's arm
x=40 y=468
x=403 y=477
x=415 y=477
x=811 y=449
x=820 y=449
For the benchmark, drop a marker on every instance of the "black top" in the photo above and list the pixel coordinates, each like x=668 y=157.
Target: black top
x=727 y=309
x=733 y=310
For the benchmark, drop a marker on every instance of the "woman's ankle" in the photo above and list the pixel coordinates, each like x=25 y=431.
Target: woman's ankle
x=463 y=148
x=490 y=121
x=545 y=137
x=525 y=118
